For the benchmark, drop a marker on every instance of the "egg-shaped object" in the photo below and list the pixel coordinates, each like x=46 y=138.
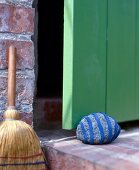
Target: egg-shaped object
x=97 y=128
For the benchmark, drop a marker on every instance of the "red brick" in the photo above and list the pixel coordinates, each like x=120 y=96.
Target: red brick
x=125 y=165
x=53 y=110
x=61 y=161
x=25 y=53
x=119 y=149
x=16 y=19
x=24 y=90
x=50 y=113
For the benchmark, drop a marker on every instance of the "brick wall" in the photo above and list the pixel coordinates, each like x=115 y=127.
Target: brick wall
x=17 y=28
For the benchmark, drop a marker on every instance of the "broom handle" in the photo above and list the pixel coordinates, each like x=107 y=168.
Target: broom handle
x=11 y=76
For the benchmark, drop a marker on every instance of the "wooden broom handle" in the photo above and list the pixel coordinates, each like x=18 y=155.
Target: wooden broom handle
x=11 y=76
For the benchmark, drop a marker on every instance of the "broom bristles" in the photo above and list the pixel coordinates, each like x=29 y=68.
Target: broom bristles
x=19 y=145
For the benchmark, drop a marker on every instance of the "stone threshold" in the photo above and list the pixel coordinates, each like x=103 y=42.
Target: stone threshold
x=64 y=152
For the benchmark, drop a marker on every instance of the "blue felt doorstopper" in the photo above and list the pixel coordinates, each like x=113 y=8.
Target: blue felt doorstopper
x=97 y=128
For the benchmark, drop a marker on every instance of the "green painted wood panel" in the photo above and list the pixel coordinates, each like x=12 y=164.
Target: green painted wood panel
x=123 y=59
x=68 y=63
x=84 y=80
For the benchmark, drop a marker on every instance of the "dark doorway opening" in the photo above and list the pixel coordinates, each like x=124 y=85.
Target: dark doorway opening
x=50 y=60
x=50 y=48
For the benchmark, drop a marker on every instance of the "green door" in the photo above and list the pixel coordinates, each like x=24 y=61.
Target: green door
x=123 y=59
x=101 y=59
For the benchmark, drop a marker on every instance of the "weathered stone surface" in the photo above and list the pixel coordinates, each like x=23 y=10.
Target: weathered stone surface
x=25 y=53
x=16 y=19
x=24 y=90
x=27 y=3
x=15 y=37
x=21 y=2
x=27 y=117
x=66 y=154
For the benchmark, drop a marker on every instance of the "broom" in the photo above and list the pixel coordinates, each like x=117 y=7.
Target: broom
x=19 y=145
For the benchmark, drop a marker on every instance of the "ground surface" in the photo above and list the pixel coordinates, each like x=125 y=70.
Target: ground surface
x=65 y=152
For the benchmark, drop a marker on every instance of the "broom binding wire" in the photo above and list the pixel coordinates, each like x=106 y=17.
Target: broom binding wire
x=12 y=114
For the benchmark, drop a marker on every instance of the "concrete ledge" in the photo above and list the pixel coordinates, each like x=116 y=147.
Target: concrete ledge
x=64 y=152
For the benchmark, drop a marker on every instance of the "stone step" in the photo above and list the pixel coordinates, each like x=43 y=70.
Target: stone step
x=64 y=152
